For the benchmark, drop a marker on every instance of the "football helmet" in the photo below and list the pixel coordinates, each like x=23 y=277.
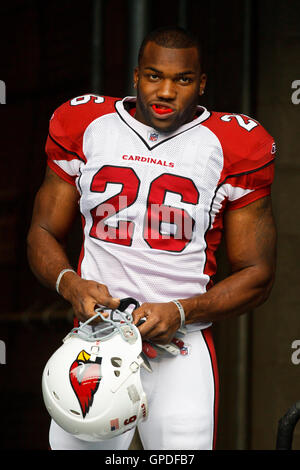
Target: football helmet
x=91 y=384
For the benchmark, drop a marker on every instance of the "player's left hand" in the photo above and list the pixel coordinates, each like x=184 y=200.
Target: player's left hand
x=162 y=321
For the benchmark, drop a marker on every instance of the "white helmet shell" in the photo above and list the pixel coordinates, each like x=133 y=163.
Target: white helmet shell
x=91 y=384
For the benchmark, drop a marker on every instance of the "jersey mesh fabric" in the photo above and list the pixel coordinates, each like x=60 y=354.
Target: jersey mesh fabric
x=184 y=174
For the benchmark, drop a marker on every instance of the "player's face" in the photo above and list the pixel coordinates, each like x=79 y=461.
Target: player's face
x=168 y=83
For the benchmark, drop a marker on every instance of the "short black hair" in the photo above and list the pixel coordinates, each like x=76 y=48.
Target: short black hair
x=173 y=37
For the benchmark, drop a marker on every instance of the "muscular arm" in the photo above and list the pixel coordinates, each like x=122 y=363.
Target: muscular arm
x=55 y=208
x=54 y=211
x=250 y=236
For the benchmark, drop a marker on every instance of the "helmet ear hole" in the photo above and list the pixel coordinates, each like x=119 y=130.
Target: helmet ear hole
x=116 y=361
x=117 y=373
x=55 y=395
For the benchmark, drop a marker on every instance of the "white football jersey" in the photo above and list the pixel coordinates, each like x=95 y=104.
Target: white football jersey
x=152 y=203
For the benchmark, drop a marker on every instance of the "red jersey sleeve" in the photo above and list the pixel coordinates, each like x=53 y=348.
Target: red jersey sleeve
x=64 y=145
x=249 y=155
x=244 y=189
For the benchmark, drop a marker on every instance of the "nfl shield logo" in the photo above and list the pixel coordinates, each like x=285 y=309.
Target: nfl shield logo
x=153 y=136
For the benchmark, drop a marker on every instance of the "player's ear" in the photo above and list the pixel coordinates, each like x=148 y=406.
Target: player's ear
x=135 y=77
x=202 y=84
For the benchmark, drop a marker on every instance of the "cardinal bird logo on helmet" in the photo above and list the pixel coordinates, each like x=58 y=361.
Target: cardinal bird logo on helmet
x=85 y=376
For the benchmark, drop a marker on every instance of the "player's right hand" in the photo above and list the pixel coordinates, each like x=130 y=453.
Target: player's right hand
x=86 y=295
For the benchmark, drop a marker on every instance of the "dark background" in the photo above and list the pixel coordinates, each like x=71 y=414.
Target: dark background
x=251 y=56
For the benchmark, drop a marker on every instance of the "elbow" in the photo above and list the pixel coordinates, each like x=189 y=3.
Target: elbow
x=265 y=293
x=265 y=285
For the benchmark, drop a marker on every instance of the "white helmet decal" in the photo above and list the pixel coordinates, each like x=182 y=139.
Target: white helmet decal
x=85 y=377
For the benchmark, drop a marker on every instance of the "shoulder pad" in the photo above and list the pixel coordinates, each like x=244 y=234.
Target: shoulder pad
x=246 y=145
x=69 y=121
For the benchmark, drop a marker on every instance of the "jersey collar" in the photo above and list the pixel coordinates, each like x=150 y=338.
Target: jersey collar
x=151 y=137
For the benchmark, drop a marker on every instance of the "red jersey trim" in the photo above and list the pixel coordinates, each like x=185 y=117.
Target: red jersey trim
x=251 y=197
x=244 y=173
x=81 y=256
x=61 y=173
x=261 y=186
x=66 y=150
x=208 y=338
x=213 y=238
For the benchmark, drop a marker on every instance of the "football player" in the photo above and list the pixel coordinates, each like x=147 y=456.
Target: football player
x=158 y=179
